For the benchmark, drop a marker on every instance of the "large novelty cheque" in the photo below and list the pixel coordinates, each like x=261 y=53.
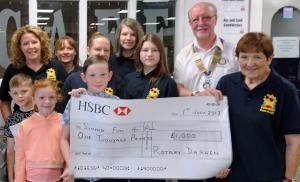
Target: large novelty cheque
x=182 y=138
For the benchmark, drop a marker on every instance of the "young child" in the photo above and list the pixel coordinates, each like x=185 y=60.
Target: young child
x=38 y=153
x=96 y=75
x=20 y=87
x=151 y=80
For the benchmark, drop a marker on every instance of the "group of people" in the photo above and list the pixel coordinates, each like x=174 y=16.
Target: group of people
x=263 y=106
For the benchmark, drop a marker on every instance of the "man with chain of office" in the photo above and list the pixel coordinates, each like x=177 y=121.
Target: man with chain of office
x=201 y=64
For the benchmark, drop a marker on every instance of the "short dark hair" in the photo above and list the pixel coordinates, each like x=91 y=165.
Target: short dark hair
x=93 y=60
x=255 y=42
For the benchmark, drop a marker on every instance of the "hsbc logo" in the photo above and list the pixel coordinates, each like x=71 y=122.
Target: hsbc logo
x=122 y=110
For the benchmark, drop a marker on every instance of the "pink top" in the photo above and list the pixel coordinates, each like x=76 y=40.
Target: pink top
x=38 y=147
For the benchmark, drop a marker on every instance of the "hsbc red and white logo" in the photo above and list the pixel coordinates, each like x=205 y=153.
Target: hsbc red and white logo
x=122 y=110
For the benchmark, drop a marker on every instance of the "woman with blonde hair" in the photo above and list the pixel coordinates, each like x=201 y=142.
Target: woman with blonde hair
x=30 y=54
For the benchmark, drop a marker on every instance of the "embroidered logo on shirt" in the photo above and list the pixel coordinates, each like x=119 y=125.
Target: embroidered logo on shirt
x=269 y=104
x=109 y=91
x=51 y=74
x=122 y=110
x=153 y=93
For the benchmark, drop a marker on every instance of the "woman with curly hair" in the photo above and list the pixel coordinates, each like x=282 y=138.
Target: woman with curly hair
x=30 y=54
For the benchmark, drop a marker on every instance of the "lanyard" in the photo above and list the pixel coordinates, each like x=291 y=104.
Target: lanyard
x=207 y=72
x=215 y=60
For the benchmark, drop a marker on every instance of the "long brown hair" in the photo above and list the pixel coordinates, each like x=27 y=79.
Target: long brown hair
x=135 y=26
x=162 y=65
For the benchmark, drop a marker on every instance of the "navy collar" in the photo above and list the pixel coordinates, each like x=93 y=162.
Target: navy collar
x=151 y=74
x=273 y=80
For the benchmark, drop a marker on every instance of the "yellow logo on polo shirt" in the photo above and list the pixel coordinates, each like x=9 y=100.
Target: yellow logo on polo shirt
x=51 y=74
x=269 y=104
x=153 y=93
x=109 y=91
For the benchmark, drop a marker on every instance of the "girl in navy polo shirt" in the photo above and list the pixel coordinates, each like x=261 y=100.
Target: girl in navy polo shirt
x=128 y=34
x=152 y=79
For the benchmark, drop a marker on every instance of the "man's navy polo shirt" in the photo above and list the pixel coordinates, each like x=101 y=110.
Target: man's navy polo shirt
x=138 y=86
x=259 y=120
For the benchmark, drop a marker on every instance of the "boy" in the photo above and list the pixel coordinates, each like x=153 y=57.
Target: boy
x=96 y=75
x=20 y=87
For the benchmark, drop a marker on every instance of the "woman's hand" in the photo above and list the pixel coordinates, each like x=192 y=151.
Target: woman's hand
x=223 y=174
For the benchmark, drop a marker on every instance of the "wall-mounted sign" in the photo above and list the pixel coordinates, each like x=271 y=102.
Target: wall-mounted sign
x=286 y=47
x=233 y=19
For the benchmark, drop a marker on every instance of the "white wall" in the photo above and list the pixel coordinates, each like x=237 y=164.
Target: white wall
x=256 y=11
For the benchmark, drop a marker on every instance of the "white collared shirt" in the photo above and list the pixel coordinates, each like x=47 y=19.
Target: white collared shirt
x=187 y=73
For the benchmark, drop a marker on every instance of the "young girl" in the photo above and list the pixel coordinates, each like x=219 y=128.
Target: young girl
x=96 y=75
x=128 y=35
x=38 y=152
x=151 y=80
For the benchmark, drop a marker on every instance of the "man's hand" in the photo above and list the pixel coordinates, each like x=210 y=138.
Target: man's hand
x=210 y=92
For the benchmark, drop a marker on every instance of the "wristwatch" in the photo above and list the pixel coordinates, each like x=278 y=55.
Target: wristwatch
x=286 y=179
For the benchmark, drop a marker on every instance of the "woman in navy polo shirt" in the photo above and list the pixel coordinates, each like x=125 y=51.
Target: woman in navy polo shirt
x=264 y=115
x=67 y=53
x=151 y=80
x=30 y=54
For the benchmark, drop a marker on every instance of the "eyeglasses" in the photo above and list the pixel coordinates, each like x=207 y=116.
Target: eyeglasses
x=203 y=19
